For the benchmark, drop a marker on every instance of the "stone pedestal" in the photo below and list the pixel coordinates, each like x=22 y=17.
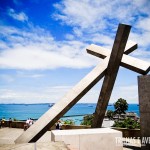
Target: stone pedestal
x=89 y=139
x=144 y=103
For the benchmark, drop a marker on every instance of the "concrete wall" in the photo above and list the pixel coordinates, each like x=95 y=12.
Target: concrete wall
x=15 y=124
x=20 y=124
x=125 y=132
x=129 y=132
x=144 y=103
x=89 y=139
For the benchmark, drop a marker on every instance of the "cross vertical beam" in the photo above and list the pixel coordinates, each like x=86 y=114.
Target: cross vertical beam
x=111 y=73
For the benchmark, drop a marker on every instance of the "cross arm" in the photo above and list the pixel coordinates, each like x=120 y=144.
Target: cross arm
x=128 y=62
x=94 y=50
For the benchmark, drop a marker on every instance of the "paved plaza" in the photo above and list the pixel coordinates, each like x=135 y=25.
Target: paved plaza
x=9 y=135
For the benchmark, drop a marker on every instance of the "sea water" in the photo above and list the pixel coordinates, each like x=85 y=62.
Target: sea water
x=76 y=113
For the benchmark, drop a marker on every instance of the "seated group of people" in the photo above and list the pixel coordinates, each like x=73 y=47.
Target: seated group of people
x=28 y=123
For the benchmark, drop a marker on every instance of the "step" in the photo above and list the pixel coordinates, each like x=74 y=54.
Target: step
x=35 y=146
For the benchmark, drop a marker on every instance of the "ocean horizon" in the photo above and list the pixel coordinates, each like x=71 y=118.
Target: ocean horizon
x=36 y=110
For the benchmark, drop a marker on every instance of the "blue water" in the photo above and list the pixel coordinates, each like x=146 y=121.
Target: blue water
x=24 y=111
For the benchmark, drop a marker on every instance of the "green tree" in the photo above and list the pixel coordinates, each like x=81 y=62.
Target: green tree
x=15 y=119
x=127 y=123
x=87 y=120
x=120 y=106
x=110 y=114
x=69 y=121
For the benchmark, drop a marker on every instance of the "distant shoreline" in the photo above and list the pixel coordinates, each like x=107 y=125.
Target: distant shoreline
x=50 y=103
x=35 y=111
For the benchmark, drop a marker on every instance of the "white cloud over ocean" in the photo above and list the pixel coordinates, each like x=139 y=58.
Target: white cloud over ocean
x=56 y=93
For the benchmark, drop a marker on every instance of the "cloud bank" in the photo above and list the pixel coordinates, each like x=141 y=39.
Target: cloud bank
x=91 y=22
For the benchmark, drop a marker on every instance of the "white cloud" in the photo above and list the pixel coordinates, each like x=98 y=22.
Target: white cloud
x=80 y=13
x=35 y=57
x=127 y=92
x=6 y=77
x=24 y=74
x=144 y=24
x=92 y=22
x=69 y=37
x=103 y=39
x=36 y=49
x=56 y=93
x=46 y=95
x=98 y=14
x=3 y=45
x=17 y=16
x=142 y=54
x=77 y=32
x=96 y=21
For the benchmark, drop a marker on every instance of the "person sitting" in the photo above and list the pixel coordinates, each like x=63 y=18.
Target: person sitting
x=30 y=122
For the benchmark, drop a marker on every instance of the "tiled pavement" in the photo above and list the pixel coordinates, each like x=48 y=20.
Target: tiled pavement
x=8 y=136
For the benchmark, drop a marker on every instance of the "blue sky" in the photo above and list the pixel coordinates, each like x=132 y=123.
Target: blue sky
x=43 y=46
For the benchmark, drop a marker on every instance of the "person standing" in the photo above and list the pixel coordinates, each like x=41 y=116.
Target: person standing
x=58 y=125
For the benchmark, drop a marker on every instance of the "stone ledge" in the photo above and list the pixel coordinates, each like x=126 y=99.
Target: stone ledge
x=87 y=139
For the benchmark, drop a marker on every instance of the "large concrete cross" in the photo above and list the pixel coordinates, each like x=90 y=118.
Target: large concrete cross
x=72 y=97
x=109 y=83
x=111 y=74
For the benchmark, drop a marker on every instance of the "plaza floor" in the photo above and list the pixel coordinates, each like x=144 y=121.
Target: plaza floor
x=9 y=135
